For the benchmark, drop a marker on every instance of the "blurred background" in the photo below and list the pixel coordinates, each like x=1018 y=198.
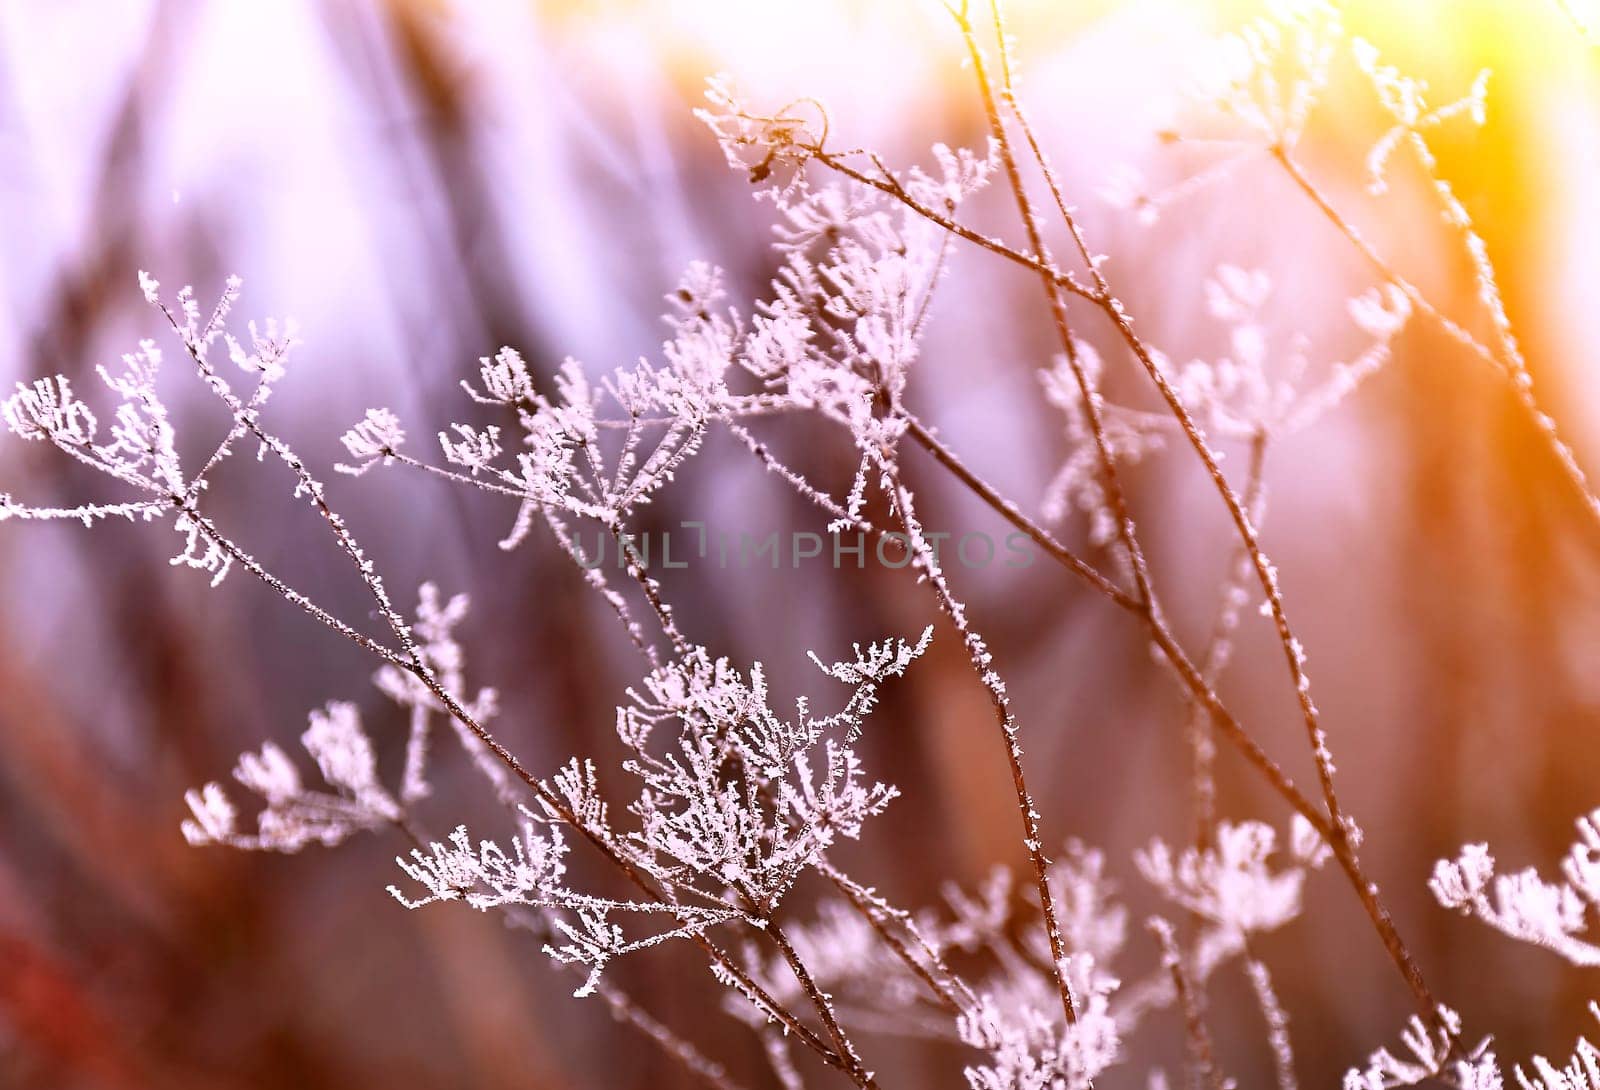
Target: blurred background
x=418 y=183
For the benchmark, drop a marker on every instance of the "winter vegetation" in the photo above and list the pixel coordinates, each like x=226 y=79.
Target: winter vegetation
x=720 y=818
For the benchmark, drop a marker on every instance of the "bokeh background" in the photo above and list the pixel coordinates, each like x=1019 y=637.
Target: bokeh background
x=420 y=182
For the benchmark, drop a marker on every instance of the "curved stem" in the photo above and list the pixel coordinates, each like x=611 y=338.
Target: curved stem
x=824 y=1007
x=1218 y=651
x=1513 y=367
x=927 y=562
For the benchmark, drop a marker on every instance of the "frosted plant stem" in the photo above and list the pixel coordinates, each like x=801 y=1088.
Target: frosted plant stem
x=1336 y=831
x=760 y=998
x=1012 y=514
x=1202 y=1060
x=685 y=1054
x=740 y=979
x=952 y=992
x=742 y=982
x=1219 y=650
x=1093 y=412
x=1197 y=440
x=748 y=987
x=651 y=590
x=885 y=182
x=1188 y=674
x=411 y=660
x=622 y=1008
x=1223 y=719
x=858 y=897
x=87 y=513
x=1092 y=404
x=824 y=1006
x=223 y=449
x=819 y=1000
x=1277 y=1021
x=458 y=478
x=592 y=573
x=804 y=487
x=928 y=563
x=946 y=986
x=186 y=505
x=288 y=593
x=246 y=416
x=1343 y=838
x=843 y=1047
x=1512 y=366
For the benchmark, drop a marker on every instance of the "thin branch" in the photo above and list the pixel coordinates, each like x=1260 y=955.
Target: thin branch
x=1201 y=1056
x=927 y=561
x=412 y=661
x=1344 y=838
x=1513 y=368
x=625 y=1010
x=824 y=1007
x=1188 y=674
x=951 y=991
x=889 y=185
x=1277 y=1022
x=1012 y=514
x=1218 y=651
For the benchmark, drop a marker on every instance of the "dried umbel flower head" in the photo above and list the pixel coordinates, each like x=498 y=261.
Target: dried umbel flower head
x=763 y=144
x=47 y=409
x=375 y=439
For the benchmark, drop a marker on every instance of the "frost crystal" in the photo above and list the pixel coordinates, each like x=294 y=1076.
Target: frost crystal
x=374 y=439
x=1525 y=906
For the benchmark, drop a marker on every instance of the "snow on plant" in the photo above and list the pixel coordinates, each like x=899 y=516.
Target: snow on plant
x=722 y=823
x=1006 y=1006
x=1231 y=885
x=740 y=796
x=338 y=743
x=1435 y=1054
x=735 y=804
x=1428 y=1050
x=1580 y=1072
x=294 y=816
x=1522 y=904
x=1247 y=395
x=1012 y=1020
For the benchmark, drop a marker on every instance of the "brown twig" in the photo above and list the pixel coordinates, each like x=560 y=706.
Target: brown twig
x=927 y=562
x=1201 y=1056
